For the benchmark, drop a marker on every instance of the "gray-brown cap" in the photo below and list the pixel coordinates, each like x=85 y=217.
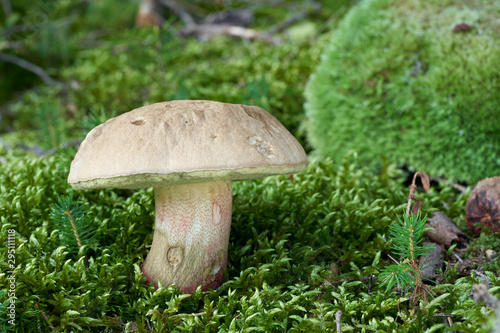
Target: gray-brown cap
x=180 y=142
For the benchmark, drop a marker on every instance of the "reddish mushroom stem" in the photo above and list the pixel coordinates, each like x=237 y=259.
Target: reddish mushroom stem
x=191 y=235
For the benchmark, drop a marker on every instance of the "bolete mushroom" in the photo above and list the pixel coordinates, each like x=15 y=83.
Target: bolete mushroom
x=189 y=151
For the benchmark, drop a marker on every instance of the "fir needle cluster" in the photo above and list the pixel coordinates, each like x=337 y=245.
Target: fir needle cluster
x=406 y=235
x=72 y=222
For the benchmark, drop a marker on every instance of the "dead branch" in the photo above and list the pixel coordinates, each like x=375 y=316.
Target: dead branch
x=450 y=322
x=206 y=32
x=29 y=67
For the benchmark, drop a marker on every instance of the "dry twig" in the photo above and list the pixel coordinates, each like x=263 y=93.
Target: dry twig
x=206 y=32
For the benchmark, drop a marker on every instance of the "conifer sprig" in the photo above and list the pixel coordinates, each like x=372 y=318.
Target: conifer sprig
x=406 y=235
x=70 y=218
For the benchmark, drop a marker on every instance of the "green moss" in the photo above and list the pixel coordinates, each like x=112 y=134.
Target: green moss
x=161 y=67
x=290 y=239
x=395 y=81
x=127 y=67
x=50 y=33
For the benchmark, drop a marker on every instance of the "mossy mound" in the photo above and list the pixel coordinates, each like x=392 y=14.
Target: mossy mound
x=408 y=81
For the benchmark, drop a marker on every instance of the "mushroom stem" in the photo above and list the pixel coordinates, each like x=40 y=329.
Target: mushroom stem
x=191 y=235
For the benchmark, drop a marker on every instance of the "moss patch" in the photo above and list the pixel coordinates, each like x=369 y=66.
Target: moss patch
x=300 y=249
x=396 y=81
x=291 y=240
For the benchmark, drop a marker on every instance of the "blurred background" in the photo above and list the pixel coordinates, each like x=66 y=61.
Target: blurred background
x=68 y=65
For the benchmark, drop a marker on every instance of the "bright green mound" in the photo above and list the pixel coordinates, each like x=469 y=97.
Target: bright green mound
x=396 y=81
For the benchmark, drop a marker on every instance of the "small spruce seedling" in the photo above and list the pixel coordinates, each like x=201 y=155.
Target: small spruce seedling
x=71 y=220
x=406 y=234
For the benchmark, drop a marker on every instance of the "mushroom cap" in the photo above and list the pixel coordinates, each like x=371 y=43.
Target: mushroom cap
x=181 y=142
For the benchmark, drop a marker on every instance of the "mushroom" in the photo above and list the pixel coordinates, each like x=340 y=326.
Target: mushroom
x=189 y=152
